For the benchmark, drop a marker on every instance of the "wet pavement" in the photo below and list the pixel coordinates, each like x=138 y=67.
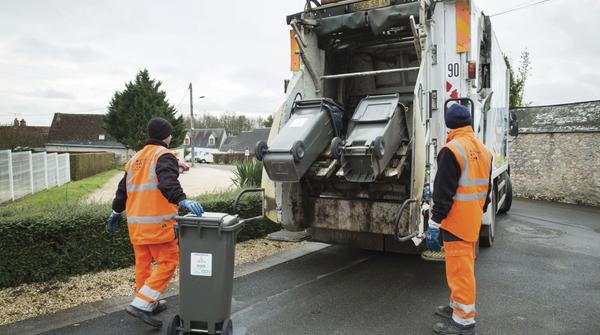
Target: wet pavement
x=542 y=276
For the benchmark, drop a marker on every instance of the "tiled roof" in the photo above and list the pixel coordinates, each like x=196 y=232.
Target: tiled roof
x=565 y=118
x=80 y=129
x=200 y=137
x=247 y=139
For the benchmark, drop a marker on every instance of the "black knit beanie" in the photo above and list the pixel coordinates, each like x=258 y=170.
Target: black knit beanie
x=159 y=128
x=458 y=116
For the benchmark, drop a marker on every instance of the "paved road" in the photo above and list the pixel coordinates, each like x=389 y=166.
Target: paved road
x=541 y=277
x=201 y=179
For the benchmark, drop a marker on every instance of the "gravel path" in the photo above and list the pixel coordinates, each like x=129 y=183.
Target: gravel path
x=200 y=179
x=31 y=300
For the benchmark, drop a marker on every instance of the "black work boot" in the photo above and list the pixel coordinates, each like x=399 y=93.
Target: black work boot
x=160 y=306
x=453 y=328
x=444 y=311
x=144 y=316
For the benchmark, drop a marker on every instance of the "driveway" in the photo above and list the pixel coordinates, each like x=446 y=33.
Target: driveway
x=201 y=179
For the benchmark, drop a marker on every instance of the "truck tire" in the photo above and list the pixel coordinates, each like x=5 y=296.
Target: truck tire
x=487 y=233
x=509 y=195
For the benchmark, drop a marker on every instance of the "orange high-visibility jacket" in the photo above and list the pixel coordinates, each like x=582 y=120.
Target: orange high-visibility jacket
x=474 y=160
x=150 y=216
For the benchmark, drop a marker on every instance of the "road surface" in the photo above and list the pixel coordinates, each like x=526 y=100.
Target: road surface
x=541 y=277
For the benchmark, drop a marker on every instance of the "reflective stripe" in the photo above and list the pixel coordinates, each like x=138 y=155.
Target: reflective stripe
x=465 y=308
x=142 y=304
x=464 y=176
x=470 y=197
x=152 y=179
x=150 y=293
x=461 y=321
x=145 y=187
x=150 y=219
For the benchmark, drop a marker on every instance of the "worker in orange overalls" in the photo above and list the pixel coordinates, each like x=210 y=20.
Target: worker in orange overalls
x=461 y=195
x=151 y=196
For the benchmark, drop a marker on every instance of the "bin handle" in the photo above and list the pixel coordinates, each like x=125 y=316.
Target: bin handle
x=236 y=203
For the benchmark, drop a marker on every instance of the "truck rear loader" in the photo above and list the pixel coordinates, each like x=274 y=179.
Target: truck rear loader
x=352 y=152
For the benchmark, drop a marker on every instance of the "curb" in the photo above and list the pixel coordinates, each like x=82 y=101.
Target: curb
x=85 y=312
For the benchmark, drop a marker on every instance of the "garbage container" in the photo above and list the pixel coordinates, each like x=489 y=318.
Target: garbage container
x=206 y=262
x=304 y=137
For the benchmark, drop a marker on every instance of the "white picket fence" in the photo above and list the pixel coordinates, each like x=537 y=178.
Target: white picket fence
x=23 y=173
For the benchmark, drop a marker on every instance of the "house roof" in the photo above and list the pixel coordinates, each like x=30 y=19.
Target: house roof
x=565 y=118
x=246 y=139
x=80 y=129
x=23 y=136
x=200 y=137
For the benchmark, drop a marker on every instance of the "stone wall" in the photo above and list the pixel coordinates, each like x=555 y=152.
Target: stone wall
x=562 y=167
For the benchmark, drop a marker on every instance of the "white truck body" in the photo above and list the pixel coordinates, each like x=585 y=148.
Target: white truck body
x=422 y=51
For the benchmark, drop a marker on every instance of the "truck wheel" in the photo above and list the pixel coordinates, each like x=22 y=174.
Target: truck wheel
x=509 y=194
x=378 y=147
x=174 y=326
x=336 y=147
x=260 y=150
x=298 y=151
x=486 y=235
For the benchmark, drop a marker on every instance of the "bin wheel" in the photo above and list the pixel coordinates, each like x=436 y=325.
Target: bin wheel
x=298 y=151
x=175 y=326
x=336 y=147
x=378 y=147
x=260 y=150
x=227 y=328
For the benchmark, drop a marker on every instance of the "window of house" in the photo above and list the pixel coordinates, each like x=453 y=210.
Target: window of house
x=101 y=137
x=211 y=140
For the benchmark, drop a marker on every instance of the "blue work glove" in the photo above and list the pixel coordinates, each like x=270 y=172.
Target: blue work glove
x=433 y=236
x=192 y=206
x=113 y=222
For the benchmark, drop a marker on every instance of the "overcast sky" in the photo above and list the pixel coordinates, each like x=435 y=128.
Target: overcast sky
x=71 y=56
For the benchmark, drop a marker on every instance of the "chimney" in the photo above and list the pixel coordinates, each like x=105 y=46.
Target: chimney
x=16 y=122
x=23 y=123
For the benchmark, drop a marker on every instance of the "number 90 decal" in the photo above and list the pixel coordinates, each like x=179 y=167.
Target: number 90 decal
x=453 y=70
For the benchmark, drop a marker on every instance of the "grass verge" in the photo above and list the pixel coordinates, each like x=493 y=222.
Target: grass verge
x=67 y=194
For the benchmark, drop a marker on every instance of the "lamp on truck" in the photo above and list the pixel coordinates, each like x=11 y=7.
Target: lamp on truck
x=472 y=66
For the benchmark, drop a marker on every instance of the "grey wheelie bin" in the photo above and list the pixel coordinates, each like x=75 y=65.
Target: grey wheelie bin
x=206 y=259
x=304 y=137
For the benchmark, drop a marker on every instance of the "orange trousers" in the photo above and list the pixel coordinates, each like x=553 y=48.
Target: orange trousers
x=150 y=283
x=460 y=274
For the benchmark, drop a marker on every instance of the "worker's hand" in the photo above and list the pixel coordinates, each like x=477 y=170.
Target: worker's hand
x=433 y=236
x=192 y=206
x=113 y=222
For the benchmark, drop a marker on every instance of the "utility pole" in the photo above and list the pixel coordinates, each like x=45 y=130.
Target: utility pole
x=192 y=123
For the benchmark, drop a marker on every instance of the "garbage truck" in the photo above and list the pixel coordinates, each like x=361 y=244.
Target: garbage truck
x=351 y=156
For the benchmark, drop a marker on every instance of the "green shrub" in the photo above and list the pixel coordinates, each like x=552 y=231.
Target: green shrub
x=56 y=242
x=88 y=164
x=247 y=174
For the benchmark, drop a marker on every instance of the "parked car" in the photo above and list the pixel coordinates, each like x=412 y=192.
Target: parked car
x=201 y=157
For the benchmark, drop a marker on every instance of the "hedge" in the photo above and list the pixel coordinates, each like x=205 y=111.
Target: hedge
x=88 y=164
x=230 y=157
x=65 y=241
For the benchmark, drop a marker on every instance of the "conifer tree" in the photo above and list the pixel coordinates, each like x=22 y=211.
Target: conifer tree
x=131 y=109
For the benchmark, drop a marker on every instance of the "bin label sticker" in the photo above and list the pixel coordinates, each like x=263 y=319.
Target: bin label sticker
x=297 y=123
x=201 y=264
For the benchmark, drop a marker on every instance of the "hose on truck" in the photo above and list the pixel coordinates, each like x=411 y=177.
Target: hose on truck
x=397 y=222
